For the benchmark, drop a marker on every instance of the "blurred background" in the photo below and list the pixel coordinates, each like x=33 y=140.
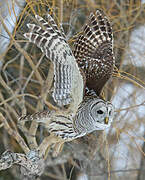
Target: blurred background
x=26 y=78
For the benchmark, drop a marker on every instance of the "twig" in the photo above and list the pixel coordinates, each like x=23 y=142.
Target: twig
x=14 y=134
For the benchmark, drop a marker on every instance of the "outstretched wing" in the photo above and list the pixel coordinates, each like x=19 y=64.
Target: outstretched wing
x=94 y=52
x=59 y=124
x=52 y=42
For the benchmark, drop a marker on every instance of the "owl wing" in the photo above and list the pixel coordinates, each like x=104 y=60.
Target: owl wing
x=52 y=42
x=59 y=124
x=94 y=52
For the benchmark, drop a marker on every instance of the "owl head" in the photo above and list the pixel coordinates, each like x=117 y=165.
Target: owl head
x=93 y=114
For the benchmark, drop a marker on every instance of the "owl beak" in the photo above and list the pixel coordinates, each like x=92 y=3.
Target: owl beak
x=106 y=120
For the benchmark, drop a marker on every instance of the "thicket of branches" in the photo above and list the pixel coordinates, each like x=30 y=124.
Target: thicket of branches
x=26 y=79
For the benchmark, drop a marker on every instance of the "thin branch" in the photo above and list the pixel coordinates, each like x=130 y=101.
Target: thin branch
x=14 y=134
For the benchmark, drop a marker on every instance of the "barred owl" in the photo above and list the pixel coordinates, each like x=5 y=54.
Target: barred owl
x=87 y=112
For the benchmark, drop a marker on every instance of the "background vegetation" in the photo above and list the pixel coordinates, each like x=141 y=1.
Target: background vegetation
x=25 y=87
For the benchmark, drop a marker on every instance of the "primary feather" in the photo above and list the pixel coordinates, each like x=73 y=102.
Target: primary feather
x=93 y=51
x=67 y=77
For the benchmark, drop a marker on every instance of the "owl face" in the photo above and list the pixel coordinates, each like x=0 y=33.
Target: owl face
x=102 y=114
x=93 y=114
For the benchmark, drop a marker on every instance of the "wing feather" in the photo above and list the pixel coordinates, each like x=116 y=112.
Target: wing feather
x=52 y=42
x=94 y=52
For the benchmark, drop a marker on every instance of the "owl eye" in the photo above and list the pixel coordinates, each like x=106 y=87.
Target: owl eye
x=100 y=112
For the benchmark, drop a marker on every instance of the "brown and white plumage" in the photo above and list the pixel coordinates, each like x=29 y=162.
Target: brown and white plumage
x=93 y=51
x=94 y=45
x=93 y=114
x=52 y=42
